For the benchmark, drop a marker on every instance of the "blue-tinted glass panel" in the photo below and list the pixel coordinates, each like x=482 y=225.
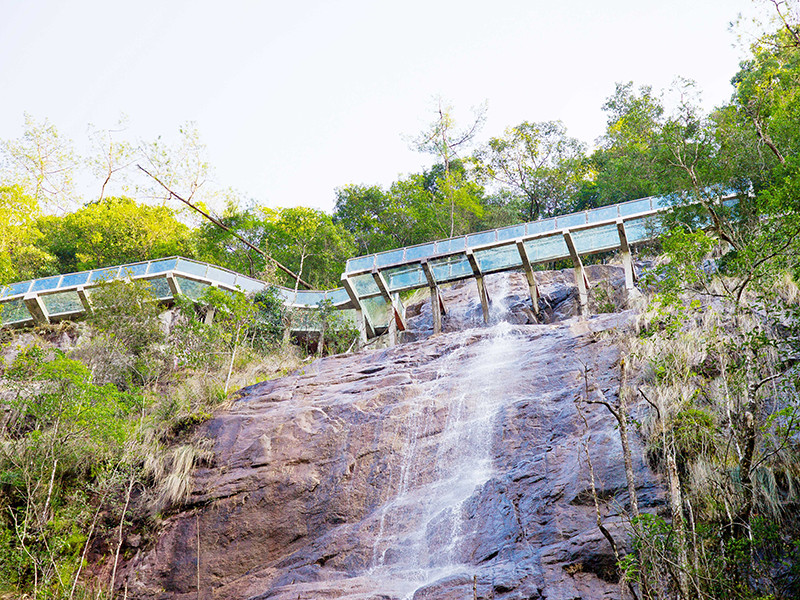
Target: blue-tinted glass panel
x=642 y=229
x=161 y=266
x=552 y=247
x=309 y=298
x=131 y=271
x=190 y=288
x=604 y=213
x=337 y=296
x=510 y=233
x=497 y=259
x=405 y=277
x=542 y=226
x=160 y=288
x=478 y=239
x=16 y=288
x=305 y=319
x=389 y=258
x=249 y=285
x=634 y=207
x=451 y=245
x=14 y=311
x=349 y=317
x=48 y=283
x=596 y=239
x=417 y=252
x=100 y=275
x=451 y=268
x=664 y=202
x=730 y=202
x=572 y=220
x=62 y=303
x=221 y=276
x=365 y=285
x=377 y=311
x=74 y=279
x=285 y=293
x=191 y=267
x=360 y=263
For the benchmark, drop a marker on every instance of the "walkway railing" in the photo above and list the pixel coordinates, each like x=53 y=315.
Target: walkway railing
x=372 y=283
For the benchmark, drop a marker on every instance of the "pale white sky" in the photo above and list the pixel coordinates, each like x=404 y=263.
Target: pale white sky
x=294 y=99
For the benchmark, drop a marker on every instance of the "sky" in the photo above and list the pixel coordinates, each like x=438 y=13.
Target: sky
x=295 y=99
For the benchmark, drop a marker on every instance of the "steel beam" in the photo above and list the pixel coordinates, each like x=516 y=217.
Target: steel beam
x=437 y=305
x=36 y=307
x=627 y=261
x=365 y=329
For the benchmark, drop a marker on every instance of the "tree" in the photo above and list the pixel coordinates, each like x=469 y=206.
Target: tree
x=444 y=140
x=20 y=257
x=539 y=162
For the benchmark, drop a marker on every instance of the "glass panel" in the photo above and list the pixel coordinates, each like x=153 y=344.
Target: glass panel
x=190 y=288
x=305 y=319
x=191 y=267
x=63 y=302
x=134 y=270
x=309 y=298
x=338 y=296
x=478 y=239
x=48 y=283
x=221 y=276
x=510 y=233
x=365 y=285
x=160 y=288
x=451 y=268
x=360 y=263
x=542 y=226
x=349 y=317
x=14 y=311
x=596 y=239
x=497 y=259
x=551 y=247
x=417 y=252
x=604 y=213
x=634 y=207
x=285 y=293
x=248 y=285
x=389 y=258
x=377 y=311
x=451 y=245
x=161 y=266
x=405 y=277
x=663 y=202
x=17 y=288
x=103 y=274
x=572 y=220
x=74 y=279
x=638 y=230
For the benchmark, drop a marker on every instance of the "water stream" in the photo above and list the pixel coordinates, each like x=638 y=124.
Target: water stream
x=445 y=457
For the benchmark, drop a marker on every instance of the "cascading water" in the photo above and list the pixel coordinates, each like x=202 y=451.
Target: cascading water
x=444 y=461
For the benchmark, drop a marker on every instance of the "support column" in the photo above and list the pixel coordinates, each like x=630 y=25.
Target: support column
x=397 y=320
x=36 y=307
x=482 y=293
x=208 y=319
x=437 y=305
x=84 y=298
x=362 y=322
x=580 y=274
x=173 y=285
x=627 y=262
x=526 y=265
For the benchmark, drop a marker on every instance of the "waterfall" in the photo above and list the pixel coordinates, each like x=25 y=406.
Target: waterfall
x=445 y=457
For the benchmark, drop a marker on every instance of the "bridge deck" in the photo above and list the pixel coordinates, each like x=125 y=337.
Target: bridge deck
x=372 y=283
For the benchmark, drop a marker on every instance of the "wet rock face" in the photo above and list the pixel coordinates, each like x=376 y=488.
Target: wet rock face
x=448 y=467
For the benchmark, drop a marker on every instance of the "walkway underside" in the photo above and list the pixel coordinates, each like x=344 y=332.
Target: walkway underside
x=371 y=285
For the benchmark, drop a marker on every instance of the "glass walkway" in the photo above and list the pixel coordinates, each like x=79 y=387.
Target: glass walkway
x=371 y=284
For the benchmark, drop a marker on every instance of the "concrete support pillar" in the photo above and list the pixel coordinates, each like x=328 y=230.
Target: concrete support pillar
x=36 y=307
x=526 y=265
x=174 y=289
x=362 y=321
x=437 y=305
x=627 y=261
x=581 y=279
x=84 y=298
x=482 y=293
x=397 y=320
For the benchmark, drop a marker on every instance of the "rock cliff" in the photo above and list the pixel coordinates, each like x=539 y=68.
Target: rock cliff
x=449 y=466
